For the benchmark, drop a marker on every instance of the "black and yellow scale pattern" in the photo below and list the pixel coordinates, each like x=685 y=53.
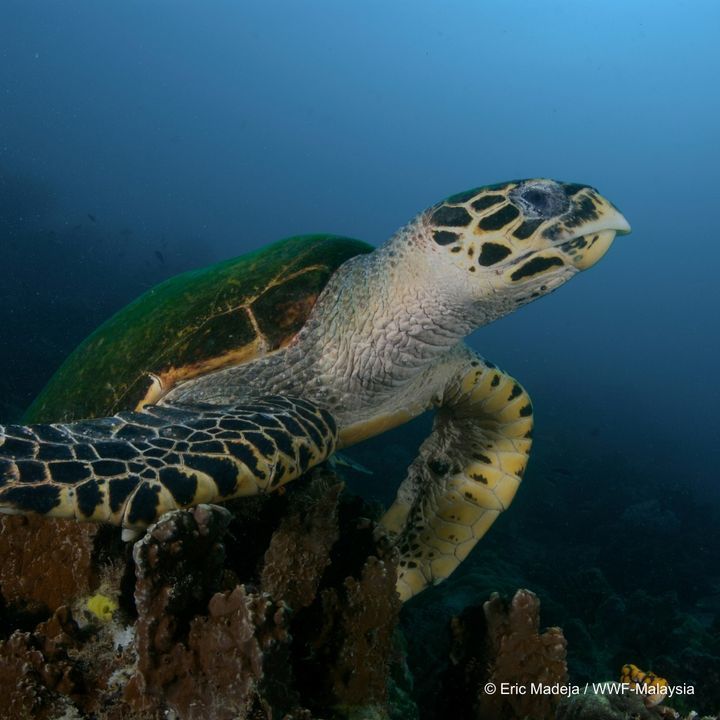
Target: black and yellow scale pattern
x=131 y=468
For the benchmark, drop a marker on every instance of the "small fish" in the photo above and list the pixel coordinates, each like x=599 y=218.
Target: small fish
x=160 y=256
x=92 y=217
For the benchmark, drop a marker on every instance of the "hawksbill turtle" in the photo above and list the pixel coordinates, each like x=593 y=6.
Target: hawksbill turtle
x=235 y=379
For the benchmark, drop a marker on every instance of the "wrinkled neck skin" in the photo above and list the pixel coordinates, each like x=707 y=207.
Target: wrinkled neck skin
x=384 y=321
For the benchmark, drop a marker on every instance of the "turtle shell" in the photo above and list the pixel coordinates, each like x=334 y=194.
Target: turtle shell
x=193 y=324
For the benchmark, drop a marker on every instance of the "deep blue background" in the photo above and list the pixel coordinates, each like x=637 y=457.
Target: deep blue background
x=140 y=138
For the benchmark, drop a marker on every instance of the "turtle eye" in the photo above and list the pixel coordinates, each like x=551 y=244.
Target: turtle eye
x=540 y=199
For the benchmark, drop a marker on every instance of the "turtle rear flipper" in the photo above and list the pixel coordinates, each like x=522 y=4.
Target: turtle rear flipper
x=131 y=468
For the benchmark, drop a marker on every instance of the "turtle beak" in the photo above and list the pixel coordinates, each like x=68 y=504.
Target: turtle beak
x=615 y=220
x=598 y=235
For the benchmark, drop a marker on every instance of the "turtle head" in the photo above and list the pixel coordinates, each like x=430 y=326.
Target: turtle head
x=508 y=244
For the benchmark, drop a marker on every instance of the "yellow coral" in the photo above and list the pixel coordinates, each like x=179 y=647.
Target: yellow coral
x=652 y=687
x=102 y=607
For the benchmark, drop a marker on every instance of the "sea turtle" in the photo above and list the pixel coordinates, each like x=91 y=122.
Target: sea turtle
x=235 y=379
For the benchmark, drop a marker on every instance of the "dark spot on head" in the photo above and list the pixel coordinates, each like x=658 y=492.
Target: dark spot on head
x=463 y=196
x=572 y=188
x=451 y=216
x=526 y=410
x=499 y=219
x=583 y=211
x=527 y=228
x=443 y=237
x=535 y=266
x=487 y=201
x=492 y=253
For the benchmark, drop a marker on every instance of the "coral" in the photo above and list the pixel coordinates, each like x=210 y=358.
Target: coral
x=300 y=548
x=363 y=621
x=45 y=563
x=500 y=642
x=283 y=607
x=179 y=565
x=36 y=671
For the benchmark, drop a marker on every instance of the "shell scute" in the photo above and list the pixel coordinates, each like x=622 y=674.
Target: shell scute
x=194 y=324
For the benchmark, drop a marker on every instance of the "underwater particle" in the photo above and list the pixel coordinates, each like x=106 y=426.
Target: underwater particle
x=102 y=607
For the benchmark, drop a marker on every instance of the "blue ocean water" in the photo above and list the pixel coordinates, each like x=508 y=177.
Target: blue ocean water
x=140 y=139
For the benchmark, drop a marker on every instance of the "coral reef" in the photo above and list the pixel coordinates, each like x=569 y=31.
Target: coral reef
x=283 y=608
x=36 y=671
x=45 y=562
x=500 y=642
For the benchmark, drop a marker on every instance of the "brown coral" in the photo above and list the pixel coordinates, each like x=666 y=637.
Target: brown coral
x=35 y=670
x=361 y=637
x=300 y=548
x=521 y=656
x=45 y=563
x=289 y=613
x=500 y=642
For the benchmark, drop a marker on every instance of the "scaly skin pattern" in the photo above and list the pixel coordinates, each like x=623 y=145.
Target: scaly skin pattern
x=383 y=343
x=131 y=468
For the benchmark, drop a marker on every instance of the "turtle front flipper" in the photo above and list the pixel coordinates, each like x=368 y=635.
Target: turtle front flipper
x=466 y=473
x=131 y=468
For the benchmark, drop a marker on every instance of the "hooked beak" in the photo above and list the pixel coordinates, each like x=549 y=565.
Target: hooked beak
x=597 y=238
